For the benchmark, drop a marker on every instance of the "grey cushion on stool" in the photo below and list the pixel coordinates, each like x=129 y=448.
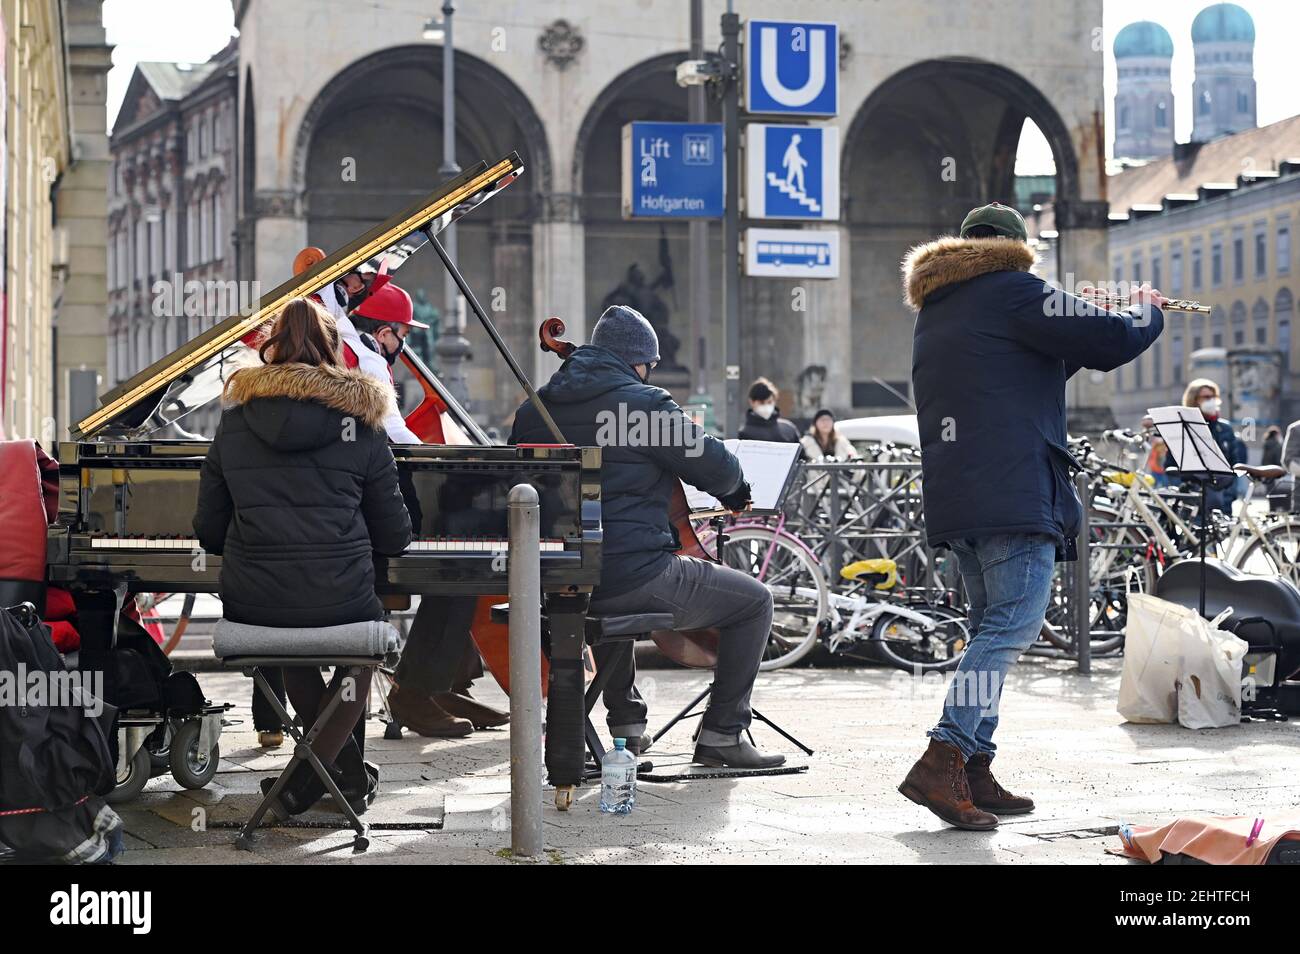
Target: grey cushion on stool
x=369 y=638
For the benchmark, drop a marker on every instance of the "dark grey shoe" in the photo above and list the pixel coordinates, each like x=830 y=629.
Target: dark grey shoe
x=638 y=744
x=742 y=755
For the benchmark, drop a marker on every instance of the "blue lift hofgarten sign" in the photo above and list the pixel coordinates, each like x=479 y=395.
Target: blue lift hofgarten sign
x=672 y=170
x=792 y=68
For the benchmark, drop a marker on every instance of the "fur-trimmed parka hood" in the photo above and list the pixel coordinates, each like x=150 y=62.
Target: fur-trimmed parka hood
x=299 y=406
x=951 y=260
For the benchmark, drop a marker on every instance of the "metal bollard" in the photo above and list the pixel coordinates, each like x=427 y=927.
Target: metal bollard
x=525 y=587
x=1083 y=585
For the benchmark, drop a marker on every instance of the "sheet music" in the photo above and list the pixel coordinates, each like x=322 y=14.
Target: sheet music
x=1187 y=434
x=766 y=465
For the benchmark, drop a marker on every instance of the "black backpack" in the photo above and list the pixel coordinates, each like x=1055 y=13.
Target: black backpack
x=54 y=760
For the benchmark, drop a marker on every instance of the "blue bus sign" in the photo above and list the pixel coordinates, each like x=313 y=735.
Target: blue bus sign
x=792 y=253
x=792 y=68
x=672 y=170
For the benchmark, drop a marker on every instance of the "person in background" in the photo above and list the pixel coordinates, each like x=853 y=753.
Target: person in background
x=297 y=492
x=1155 y=465
x=1272 y=446
x=1204 y=393
x=763 y=422
x=823 y=440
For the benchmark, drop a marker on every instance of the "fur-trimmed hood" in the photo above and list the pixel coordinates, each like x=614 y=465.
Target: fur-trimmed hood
x=297 y=407
x=950 y=260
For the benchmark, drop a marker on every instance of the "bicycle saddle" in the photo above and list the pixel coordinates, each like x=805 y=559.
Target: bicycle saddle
x=881 y=572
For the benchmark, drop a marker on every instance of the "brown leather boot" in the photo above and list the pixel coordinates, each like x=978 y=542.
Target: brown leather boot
x=482 y=716
x=938 y=782
x=987 y=794
x=421 y=714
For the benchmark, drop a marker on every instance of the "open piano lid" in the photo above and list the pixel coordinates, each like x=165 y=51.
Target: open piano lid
x=194 y=375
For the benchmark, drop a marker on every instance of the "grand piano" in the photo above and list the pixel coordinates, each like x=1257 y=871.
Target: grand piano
x=129 y=478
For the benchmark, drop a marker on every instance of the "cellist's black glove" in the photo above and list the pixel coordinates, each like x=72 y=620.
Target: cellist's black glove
x=738 y=499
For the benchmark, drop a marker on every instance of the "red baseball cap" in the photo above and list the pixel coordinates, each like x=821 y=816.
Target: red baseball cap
x=389 y=304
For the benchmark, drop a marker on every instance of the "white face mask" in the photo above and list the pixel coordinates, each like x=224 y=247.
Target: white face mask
x=765 y=411
x=1210 y=407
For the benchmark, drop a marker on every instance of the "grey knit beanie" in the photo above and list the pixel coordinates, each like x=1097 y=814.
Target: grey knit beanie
x=626 y=332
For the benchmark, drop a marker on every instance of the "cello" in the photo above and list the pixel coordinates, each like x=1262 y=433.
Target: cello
x=697 y=648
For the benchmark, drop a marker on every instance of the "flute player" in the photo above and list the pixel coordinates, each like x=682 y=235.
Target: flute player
x=992 y=350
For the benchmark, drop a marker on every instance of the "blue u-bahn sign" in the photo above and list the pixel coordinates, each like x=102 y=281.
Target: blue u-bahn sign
x=792 y=68
x=672 y=170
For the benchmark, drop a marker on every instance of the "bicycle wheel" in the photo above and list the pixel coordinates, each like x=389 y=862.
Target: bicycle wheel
x=1281 y=555
x=1117 y=560
x=905 y=645
x=795 y=580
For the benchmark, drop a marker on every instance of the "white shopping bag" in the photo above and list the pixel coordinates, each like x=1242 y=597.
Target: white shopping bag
x=1209 y=681
x=1155 y=640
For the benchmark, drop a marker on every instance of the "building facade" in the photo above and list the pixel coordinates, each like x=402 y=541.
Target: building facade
x=53 y=255
x=339 y=132
x=1224 y=240
x=171 y=210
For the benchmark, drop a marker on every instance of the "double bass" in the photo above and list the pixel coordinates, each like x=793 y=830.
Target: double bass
x=696 y=648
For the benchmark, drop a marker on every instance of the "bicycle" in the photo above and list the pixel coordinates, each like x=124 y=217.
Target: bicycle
x=908 y=633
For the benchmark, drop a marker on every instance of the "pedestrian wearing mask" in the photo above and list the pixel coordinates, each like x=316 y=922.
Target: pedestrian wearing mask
x=763 y=422
x=1204 y=394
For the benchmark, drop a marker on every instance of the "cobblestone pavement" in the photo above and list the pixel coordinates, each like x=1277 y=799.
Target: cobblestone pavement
x=447 y=801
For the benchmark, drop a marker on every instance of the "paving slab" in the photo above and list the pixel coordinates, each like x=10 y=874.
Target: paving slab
x=447 y=801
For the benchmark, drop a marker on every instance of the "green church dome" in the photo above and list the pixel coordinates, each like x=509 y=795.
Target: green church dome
x=1143 y=38
x=1223 y=22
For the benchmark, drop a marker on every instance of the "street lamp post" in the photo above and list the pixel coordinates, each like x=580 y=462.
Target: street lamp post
x=453 y=348
x=731 y=223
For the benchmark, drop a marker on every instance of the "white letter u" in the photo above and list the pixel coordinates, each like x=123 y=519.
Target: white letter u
x=812 y=88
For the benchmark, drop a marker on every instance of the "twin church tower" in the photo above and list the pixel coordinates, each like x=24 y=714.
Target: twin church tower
x=1223 y=42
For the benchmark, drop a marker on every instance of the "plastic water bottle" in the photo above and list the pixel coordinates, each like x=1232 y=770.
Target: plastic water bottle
x=618 y=780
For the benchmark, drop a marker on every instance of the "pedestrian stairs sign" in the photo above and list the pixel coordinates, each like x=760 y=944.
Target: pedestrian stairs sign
x=792 y=172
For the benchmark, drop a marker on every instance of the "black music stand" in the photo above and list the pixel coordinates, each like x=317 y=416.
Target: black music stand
x=1198 y=458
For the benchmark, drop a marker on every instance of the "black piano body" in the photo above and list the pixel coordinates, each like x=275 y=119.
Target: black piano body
x=129 y=478
x=125 y=510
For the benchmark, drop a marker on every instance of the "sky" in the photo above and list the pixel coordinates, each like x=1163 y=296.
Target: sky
x=192 y=30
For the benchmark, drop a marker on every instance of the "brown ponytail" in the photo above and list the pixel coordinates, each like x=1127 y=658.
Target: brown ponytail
x=303 y=333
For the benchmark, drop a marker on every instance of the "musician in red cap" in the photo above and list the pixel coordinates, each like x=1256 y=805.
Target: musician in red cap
x=374 y=336
x=431 y=695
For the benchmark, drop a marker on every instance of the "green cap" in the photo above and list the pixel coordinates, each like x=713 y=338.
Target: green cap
x=1000 y=218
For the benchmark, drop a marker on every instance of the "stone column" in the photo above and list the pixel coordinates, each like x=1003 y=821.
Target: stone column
x=828 y=329
x=512 y=266
x=281 y=233
x=1082 y=255
x=559 y=274
x=82 y=204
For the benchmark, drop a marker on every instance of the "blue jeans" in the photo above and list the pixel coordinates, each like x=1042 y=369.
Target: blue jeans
x=1008 y=581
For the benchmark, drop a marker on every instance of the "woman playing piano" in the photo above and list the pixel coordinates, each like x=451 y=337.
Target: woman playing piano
x=297 y=490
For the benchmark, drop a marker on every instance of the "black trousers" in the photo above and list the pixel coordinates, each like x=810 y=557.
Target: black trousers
x=433 y=657
x=264 y=717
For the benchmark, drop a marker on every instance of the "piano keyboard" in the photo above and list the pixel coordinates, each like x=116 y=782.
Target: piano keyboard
x=189 y=545
x=475 y=546
x=144 y=543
